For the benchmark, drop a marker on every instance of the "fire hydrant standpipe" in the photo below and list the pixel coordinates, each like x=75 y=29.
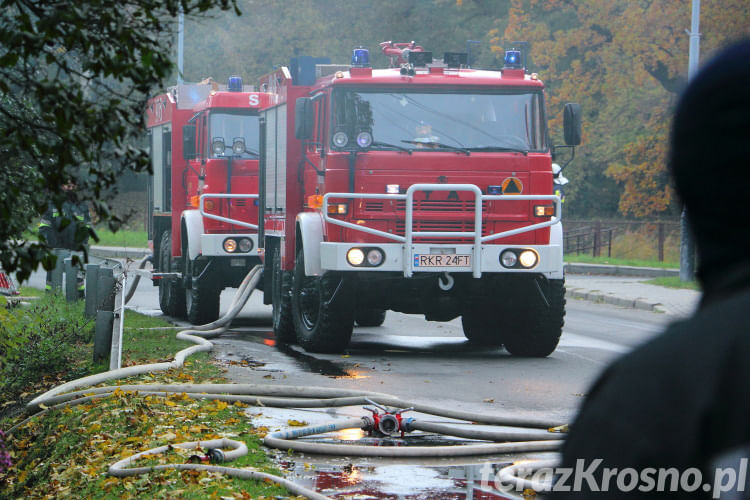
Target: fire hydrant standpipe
x=532 y=437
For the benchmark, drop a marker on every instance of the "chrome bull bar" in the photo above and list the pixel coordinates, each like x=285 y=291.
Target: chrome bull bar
x=236 y=222
x=476 y=234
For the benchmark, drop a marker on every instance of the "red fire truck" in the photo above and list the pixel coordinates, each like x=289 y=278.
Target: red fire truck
x=203 y=201
x=424 y=188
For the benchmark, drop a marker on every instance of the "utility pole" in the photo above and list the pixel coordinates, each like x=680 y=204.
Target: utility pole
x=687 y=244
x=180 y=44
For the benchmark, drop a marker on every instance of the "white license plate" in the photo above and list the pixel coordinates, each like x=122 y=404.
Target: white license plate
x=441 y=260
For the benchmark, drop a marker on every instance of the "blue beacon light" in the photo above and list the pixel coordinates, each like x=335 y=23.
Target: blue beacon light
x=360 y=57
x=234 y=84
x=513 y=59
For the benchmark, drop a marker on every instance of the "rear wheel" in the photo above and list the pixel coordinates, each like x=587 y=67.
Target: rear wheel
x=370 y=317
x=171 y=294
x=481 y=326
x=322 y=309
x=536 y=332
x=283 y=325
x=202 y=299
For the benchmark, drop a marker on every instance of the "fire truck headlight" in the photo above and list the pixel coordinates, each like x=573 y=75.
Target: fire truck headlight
x=528 y=258
x=230 y=245
x=508 y=258
x=355 y=256
x=246 y=244
x=340 y=139
x=364 y=139
x=375 y=257
x=238 y=145
x=217 y=146
x=392 y=189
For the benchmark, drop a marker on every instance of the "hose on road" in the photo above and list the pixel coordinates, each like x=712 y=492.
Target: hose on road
x=529 y=435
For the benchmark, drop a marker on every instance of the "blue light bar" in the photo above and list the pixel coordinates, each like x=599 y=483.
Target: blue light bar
x=361 y=58
x=513 y=59
x=234 y=84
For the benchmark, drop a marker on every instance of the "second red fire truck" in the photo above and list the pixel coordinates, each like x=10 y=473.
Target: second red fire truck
x=203 y=201
x=424 y=188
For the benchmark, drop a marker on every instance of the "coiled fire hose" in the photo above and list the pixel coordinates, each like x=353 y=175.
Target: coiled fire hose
x=530 y=435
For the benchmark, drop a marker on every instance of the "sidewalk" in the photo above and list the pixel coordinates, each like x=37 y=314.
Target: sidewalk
x=632 y=292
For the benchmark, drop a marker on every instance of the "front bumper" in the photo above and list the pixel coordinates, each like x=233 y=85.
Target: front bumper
x=400 y=257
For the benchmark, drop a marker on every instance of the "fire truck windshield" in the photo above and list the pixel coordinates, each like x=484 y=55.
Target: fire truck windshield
x=432 y=120
x=228 y=125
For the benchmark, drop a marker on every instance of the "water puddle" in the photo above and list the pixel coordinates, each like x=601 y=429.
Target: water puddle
x=400 y=481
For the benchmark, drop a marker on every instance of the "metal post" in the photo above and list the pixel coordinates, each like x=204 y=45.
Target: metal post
x=597 y=238
x=103 y=335
x=661 y=241
x=687 y=244
x=115 y=353
x=71 y=278
x=92 y=278
x=104 y=316
x=57 y=272
x=180 y=45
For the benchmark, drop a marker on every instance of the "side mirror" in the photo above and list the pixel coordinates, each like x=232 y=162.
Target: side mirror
x=303 y=118
x=188 y=141
x=572 y=124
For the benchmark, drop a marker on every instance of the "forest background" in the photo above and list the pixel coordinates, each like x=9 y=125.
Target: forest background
x=624 y=61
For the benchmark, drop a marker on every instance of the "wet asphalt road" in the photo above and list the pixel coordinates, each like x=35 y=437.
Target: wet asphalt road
x=432 y=362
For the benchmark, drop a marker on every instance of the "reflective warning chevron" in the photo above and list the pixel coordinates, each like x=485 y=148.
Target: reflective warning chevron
x=7 y=287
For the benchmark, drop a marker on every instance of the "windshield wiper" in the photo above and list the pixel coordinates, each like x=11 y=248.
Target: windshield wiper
x=387 y=145
x=501 y=148
x=433 y=144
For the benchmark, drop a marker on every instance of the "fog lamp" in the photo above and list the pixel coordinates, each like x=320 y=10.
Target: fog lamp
x=528 y=258
x=230 y=245
x=246 y=244
x=355 y=256
x=340 y=139
x=508 y=258
x=375 y=257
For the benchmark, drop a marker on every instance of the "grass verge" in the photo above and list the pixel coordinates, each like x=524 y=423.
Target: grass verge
x=66 y=452
x=122 y=238
x=674 y=282
x=588 y=259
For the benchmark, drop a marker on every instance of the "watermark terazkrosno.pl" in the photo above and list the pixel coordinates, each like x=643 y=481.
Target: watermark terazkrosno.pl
x=591 y=476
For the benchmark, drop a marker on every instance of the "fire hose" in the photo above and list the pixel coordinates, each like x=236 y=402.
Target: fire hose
x=531 y=435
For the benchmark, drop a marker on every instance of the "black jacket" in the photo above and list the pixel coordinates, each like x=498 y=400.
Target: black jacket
x=681 y=400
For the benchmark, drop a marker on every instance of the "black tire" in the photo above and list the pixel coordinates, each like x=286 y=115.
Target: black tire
x=536 y=332
x=322 y=308
x=283 y=324
x=202 y=300
x=369 y=317
x=481 y=326
x=171 y=294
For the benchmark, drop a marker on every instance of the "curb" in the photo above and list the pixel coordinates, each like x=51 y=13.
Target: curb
x=578 y=293
x=642 y=272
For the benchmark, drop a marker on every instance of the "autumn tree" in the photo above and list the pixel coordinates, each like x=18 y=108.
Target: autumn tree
x=74 y=80
x=625 y=62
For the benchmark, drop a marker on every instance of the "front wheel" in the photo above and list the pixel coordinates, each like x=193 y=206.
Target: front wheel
x=322 y=309
x=171 y=294
x=283 y=325
x=535 y=332
x=370 y=317
x=202 y=299
x=481 y=326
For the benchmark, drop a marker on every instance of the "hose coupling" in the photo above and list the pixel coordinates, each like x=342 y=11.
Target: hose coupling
x=213 y=455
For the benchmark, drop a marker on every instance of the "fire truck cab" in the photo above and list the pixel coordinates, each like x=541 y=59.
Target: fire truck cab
x=203 y=201
x=424 y=188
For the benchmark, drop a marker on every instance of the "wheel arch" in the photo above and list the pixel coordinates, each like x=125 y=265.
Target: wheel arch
x=309 y=236
x=191 y=230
